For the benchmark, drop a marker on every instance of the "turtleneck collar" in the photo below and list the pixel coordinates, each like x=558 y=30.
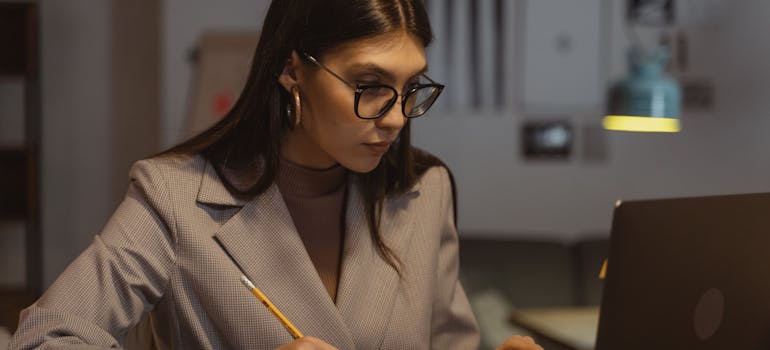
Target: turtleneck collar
x=297 y=180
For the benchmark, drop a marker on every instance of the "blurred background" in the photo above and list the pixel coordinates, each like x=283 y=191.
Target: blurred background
x=92 y=86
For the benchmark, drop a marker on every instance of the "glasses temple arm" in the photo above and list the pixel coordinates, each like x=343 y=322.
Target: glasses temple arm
x=315 y=61
x=429 y=79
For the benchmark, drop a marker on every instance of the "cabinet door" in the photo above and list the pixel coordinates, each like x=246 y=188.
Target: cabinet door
x=20 y=256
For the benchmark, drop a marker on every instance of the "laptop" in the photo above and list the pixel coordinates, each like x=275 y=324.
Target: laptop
x=689 y=273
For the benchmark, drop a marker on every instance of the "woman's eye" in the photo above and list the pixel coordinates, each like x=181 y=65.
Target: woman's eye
x=378 y=91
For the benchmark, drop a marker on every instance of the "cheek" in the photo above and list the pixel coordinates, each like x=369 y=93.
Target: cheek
x=330 y=105
x=345 y=135
x=332 y=119
x=332 y=122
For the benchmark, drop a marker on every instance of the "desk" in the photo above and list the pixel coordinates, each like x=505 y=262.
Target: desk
x=573 y=328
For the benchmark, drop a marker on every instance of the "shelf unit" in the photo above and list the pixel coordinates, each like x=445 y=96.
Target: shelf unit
x=20 y=162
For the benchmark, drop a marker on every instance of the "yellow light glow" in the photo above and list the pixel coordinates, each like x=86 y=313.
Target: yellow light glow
x=641 y=124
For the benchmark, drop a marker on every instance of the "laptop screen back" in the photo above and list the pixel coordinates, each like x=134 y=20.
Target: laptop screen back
x=690 y=273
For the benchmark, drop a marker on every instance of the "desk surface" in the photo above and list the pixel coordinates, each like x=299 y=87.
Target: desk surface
x=571 y=327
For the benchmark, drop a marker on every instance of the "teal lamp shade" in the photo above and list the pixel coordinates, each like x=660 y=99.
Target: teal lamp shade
x=647 y=100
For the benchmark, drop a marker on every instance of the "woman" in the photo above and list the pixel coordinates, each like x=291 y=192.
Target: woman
x=309 y=187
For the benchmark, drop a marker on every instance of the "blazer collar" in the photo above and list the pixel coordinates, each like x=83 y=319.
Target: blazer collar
x=213 y=191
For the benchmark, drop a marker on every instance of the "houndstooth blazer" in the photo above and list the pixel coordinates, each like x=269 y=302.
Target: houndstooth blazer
x=172 y=255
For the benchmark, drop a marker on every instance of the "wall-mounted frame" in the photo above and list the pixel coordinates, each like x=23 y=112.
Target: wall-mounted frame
x=562 y=49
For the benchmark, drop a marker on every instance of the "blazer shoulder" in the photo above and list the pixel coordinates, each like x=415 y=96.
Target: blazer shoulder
x=173 y=165
x=437 y=177
x=173 y=174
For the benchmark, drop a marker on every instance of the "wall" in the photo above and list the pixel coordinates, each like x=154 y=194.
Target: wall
x=721 y=151
x=76 y=127
x=135 y=126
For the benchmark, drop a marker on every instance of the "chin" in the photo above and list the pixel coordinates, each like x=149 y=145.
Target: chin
x=361 y=165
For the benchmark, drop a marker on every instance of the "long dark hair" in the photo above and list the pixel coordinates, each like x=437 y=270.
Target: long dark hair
x=249 y=136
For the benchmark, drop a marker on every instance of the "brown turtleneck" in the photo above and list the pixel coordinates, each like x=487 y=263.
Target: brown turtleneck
x=316 y=202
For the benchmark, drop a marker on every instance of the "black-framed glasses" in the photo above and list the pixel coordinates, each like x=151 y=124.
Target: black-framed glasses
x=374 y=100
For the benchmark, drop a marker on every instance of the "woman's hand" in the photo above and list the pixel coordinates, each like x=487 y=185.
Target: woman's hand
x=307 y=343
x=518 y=342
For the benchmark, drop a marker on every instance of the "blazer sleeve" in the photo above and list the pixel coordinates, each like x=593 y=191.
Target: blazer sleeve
x=115 y=281
x=453 y=325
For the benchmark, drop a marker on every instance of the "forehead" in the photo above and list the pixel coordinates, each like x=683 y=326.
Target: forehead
x=400 y=53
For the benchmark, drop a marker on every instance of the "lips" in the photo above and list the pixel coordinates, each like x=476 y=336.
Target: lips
x=379 y=147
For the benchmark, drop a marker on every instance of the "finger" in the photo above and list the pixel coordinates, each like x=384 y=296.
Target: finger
x=529 y=339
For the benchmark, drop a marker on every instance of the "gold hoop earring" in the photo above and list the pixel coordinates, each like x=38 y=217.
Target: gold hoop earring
x=297 y=107
x=290 y=114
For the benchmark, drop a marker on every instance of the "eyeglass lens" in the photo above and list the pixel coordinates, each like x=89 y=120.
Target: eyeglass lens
x=377 y=100
x=419 y=101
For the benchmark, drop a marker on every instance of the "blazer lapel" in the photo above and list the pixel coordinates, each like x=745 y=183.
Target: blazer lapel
x=368 y=285
x=263 y=241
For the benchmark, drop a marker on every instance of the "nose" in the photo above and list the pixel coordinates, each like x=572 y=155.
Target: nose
x=393 y=119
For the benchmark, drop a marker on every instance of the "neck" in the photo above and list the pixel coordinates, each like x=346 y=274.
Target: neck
x=298 y=148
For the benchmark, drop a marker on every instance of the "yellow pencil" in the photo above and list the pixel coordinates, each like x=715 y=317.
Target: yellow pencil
x=262 y=298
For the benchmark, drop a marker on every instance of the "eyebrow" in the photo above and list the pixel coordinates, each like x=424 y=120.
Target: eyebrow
x=371 y=67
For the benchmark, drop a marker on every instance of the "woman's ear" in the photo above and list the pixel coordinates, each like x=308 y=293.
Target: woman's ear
x=288 y=78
